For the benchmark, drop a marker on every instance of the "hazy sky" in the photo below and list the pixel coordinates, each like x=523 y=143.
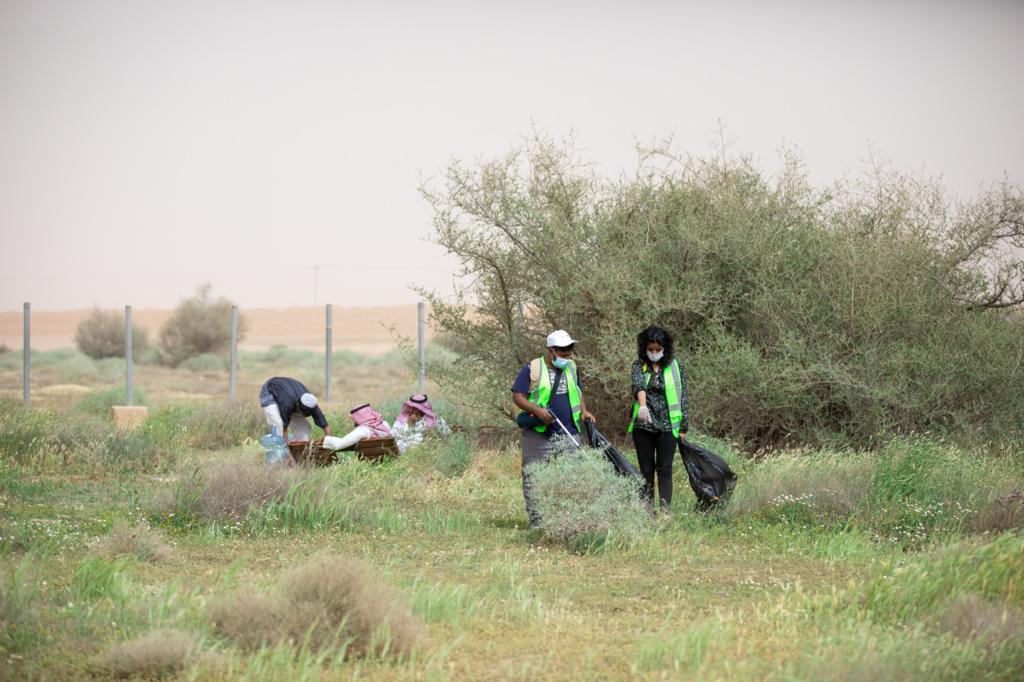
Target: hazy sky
x=146 y=147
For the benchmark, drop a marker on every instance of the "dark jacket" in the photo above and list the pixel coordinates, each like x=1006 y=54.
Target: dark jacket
x=286 y=393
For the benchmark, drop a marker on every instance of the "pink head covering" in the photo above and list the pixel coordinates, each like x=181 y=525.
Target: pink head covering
x=420 y=403
x=364 y=415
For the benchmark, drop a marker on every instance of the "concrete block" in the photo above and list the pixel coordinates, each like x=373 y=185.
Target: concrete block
x=128 y=418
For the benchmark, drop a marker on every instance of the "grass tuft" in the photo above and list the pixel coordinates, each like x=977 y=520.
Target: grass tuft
x=139 y=541
x=157 y=653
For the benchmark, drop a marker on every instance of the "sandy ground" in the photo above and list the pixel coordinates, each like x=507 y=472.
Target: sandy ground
x=370 y=330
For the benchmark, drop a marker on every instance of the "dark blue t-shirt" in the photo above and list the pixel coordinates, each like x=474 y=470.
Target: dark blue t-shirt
x=559 y=403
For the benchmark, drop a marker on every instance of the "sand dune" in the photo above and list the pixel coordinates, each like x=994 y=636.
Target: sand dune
x=370 y=330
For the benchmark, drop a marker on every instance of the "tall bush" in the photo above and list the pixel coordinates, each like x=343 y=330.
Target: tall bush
x=101 y=335
x=802 y=315
x=200 y=324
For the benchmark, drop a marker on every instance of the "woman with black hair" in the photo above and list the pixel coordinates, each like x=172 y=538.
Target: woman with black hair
x=659 y=409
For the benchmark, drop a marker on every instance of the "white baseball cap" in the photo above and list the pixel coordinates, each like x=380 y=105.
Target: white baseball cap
x=308 y=401
x=559 y=339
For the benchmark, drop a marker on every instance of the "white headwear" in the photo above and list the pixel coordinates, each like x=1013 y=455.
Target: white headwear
x=308 y=401
x=559 y=339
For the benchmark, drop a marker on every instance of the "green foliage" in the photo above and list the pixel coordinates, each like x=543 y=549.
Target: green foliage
x=802 y=316
x=19 y=617
x=98 y=577
x=198 y=325
x=584 y=503
x=101 y=335
x=98 y=403
x=909 y=493
x=45 y=440
x=454 y=455
x=207 y=362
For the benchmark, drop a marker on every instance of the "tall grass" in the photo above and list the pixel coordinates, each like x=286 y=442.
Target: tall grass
x=910 y=492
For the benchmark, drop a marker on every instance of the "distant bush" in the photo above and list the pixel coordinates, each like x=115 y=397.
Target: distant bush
x=101 y=335
x=584 y=503
x=198 y=325
x=4 y=348
x=802 y=314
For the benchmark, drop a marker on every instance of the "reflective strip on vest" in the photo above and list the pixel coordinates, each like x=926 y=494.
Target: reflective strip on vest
x=673 y=382
x=541 y=395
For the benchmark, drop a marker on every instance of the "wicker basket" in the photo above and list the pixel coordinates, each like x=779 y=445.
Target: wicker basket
x=315 y=454
x=312 y=453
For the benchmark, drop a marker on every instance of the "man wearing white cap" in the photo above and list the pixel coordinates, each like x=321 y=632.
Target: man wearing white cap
x=286 y=405
x=549 y=393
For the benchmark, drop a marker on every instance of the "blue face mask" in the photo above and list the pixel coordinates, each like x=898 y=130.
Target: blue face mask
x=561 y=363
x=654 y=357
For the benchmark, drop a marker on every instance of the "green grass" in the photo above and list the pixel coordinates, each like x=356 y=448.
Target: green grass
x=827 y=564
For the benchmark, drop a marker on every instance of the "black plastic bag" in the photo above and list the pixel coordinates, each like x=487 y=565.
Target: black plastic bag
x=710 y=477
x=593 y=438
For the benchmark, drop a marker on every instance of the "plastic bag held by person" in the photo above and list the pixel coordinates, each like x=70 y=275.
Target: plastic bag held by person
x=710 y=477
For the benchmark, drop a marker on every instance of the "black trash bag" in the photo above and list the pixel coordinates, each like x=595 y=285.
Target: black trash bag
x=710 y=477
x=593 y=438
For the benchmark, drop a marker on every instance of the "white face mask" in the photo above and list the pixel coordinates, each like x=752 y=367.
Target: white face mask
x=654 y=357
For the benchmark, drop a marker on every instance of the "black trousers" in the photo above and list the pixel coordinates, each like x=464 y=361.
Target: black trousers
x=654 y=453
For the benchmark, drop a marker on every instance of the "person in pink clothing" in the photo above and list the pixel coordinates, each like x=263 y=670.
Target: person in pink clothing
x=416 y=419
x=369 y=424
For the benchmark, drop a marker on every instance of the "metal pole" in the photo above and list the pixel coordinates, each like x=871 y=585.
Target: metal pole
x=234 y=352
x=422 y=345
x=128 y=368
x=26 y=352
x=330 y=353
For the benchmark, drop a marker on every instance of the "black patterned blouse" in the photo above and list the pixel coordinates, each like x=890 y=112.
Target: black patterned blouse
x=657 y=403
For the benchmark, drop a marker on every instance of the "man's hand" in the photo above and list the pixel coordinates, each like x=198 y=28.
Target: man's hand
x=588 y=416
x=544 y=415
x=644 y=414
x=327 y=431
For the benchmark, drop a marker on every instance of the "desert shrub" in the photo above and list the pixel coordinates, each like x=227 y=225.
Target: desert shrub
x=101 y=335
x=248 y=619
x=802 y=315
x=98 y=403
x=198 y=325
x=136 y=540
x=157 y=653
x=4 y=348
x=583 y=502
x=330 y=603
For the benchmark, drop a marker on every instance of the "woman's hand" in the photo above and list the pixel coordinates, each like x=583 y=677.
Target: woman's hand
x=644 y=414
x=589 y=416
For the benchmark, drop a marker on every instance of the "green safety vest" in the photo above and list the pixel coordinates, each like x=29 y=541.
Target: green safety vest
x=673 y=384
x=541 y=394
